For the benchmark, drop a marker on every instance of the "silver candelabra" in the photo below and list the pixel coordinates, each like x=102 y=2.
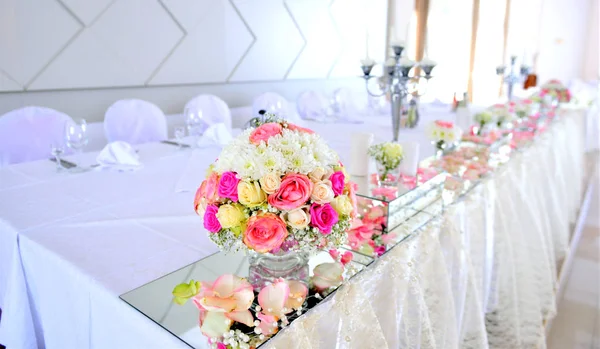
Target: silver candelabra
x=512 y=77
x=398 y=83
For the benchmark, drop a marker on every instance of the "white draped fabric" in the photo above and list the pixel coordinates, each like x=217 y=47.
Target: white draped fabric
x=135 y=121
x=213 y=110
x=483 y=275
x=27 y=134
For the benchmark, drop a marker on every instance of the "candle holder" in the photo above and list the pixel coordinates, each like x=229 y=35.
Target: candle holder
x=398 y=83
x=512 y=77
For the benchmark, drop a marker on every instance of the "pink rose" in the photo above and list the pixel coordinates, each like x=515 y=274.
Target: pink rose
x=200 y=198
x=444 y=124
x=211 y=223
x=228 y=186
x=264 y=132
x=299 y=128
x=337 y=182
x=265 y=232
x=211 y=188
x=294 y=191
x=323 y=217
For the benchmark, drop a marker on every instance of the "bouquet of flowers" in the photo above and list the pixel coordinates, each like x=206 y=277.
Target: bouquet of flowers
x=555 y=90
x=502 y=113
x=443 y=133
x=388 y=156
x=277 y=188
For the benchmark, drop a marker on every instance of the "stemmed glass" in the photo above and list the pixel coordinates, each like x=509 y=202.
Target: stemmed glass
x=195 y=123
x=179 y=135
x=76 y=138
x=57 y=149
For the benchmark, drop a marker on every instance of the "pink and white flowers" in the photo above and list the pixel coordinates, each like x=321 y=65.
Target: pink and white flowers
x=277 y=187
x=443 y=131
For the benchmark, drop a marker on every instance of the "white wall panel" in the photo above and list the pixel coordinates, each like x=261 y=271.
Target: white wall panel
x=141 y=32
x=79 y=56
x=32 y=32
x=8 y=84
x=89 y=63
x=323 y=45
x=85 y=10
x=278 y=41
x=211 y=49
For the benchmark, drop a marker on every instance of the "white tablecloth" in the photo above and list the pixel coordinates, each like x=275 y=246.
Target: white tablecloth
x=70 y=244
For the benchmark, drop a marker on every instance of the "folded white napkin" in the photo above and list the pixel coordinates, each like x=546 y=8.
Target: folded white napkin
x=119 y=156
x=216 y=134
x=359 y=157
x=410 y=163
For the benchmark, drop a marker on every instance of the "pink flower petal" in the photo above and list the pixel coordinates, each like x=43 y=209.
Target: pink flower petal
x=268 y=324
x=298 y=292
x=272 y=298
x=226 y=285
x=217 y=304
x=328 y=275
x=245 y=317
x=215 y=324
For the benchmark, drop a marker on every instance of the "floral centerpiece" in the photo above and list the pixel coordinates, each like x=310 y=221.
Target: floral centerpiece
x=274 y=190
x=388 y=157
x=482 y=119
x=555 y=90
x=443 y=134
x=502 y=114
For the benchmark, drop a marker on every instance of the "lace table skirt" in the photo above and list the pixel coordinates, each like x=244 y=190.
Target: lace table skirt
x=481 y=276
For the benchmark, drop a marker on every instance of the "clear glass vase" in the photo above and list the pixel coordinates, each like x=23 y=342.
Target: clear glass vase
x=387 y=177
x=266 y=267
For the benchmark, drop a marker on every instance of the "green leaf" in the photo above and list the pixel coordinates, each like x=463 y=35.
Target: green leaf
x=183 y=292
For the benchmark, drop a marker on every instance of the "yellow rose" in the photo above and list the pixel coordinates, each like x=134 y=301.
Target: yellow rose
x=250 y=194
x=342 y=205
x=322 y=192
x=297 y=218
x=270 y=182
x=230 y=215
x=392 y=150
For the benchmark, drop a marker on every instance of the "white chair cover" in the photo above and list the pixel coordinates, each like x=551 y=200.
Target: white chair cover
x=27 y=134
x=212 y=108
x=312 y=105
x=344 y=104
x=135 y=121
x=276 y=104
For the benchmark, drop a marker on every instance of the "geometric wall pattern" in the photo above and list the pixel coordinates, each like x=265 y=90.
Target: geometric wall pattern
x=74 y=44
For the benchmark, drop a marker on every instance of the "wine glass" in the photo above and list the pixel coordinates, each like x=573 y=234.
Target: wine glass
x=57 y=149
x=76 y=138
x=179 y=134
x=195 y=123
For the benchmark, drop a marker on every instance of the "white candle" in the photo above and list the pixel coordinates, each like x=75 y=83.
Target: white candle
x=368 y=62
x=397 y=42
x=406 y=62
x=410 y=163
x=367 y=43
x=390 y=62
x=427 y=62
x=359 y=156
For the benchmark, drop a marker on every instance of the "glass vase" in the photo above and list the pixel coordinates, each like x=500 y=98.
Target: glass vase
x=387 y=177
x=266 y=267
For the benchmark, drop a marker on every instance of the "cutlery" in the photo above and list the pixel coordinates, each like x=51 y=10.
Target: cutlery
x=64 y=163
x=176 y=144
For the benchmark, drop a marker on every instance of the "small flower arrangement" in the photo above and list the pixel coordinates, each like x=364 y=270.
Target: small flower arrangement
x=502 y=114
x=277 y=187
x=233 y=316
x=388 y=156
x=443 y=133
x=555 y=90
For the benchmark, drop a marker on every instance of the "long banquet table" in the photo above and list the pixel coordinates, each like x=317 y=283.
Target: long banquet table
x=70 y=244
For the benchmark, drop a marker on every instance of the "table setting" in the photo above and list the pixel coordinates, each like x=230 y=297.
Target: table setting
x=309 y=232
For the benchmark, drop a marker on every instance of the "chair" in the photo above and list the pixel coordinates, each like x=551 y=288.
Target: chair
x=211 y=109
x=312 y=106
x=273 y=103
x=135 y=121
x=27 y=134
